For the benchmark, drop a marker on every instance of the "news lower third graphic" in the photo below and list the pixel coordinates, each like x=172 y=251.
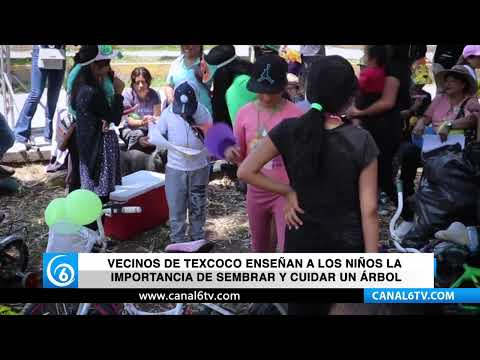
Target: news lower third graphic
x=368 y=278
x=422 y=296
x=238 y=271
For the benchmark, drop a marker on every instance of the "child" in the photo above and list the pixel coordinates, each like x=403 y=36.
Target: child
x=293 y=89
x=187 y=171
x=331 y=200
x=372 y=75
x=421 y=98
x=254 y=121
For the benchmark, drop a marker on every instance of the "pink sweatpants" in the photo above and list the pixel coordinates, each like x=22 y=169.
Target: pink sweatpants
x=262 y=208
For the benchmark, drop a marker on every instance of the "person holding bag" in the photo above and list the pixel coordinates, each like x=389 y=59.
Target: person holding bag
x=48 y=68
x=455 y=111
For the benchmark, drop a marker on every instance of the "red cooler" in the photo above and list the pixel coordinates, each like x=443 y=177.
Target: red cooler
x=145 y=189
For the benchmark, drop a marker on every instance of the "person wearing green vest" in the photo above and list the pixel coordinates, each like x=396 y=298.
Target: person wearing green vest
x=238 y=95
x=230 y=77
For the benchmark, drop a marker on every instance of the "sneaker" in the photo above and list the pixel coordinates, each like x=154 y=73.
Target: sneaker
x=6 y=171
x=456 y=232
x=382 y=210
x=240 y=186
x=23 y=145
x=404 y=228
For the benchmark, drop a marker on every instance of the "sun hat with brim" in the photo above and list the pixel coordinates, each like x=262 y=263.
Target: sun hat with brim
x=471 y=50
x=466 y=71
x=105 y=52
x=269 y=75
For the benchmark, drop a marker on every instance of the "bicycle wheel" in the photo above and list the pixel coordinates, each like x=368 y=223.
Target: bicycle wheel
x=50 y=309
x=71 y=309
x=267 y=309
x=157 y=309
x=13 y=259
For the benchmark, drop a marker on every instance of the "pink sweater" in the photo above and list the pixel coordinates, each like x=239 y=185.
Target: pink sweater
x=252 y=125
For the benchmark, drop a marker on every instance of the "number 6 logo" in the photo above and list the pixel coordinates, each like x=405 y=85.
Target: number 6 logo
x=66 y=273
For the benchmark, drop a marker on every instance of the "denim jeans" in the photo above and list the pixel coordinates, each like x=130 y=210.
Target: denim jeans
x=7 y=138
x=38 y=81
x=187 y=191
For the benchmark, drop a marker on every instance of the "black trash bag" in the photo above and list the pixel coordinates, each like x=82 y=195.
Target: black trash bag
x=447 y=193
x=132 y=161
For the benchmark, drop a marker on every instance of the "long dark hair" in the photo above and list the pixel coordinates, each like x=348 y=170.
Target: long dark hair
x=224 y=76
x=332 y=84
x=222 y=80
x=377 y=52
x=85 y=76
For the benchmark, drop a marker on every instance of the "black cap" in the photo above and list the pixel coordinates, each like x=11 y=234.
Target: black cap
x=269 y=75
x=220 y=54
x=185 y=99
x=331 y=82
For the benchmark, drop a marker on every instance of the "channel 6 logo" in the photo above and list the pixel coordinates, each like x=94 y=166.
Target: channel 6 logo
x=60 y=270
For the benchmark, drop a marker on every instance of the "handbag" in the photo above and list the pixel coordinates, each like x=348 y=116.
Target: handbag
x=51 y=58
x=65 y=123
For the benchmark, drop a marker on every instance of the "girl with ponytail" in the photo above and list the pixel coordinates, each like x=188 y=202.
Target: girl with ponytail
x=331 y=201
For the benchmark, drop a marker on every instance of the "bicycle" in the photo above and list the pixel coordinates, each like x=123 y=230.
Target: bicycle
x=98 y=244
x=470 y=276
x=14 y=257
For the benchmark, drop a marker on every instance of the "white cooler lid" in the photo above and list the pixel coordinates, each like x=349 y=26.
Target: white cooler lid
x=136 y=184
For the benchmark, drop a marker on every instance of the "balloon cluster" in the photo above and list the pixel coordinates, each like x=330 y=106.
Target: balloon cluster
x=80 y=207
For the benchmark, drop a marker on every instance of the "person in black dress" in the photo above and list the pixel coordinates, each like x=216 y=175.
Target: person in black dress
x=332 y=167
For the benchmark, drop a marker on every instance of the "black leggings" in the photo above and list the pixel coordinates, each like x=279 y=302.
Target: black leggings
x=385 y=170
x=410 y=159
x=321 y=238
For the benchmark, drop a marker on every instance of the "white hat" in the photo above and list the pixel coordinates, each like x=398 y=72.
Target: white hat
x=105 y=52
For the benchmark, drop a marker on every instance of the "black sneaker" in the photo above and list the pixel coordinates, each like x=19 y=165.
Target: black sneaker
x=230 y=170
x=240 y=186
x=6 y=171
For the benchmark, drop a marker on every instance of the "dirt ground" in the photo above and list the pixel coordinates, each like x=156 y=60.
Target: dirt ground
x=227 y=222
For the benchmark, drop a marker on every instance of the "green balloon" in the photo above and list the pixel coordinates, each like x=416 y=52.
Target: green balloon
x=83 y=207
x=55 y=211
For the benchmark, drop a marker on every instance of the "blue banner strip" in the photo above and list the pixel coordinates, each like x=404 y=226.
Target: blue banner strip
x=427 y=296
